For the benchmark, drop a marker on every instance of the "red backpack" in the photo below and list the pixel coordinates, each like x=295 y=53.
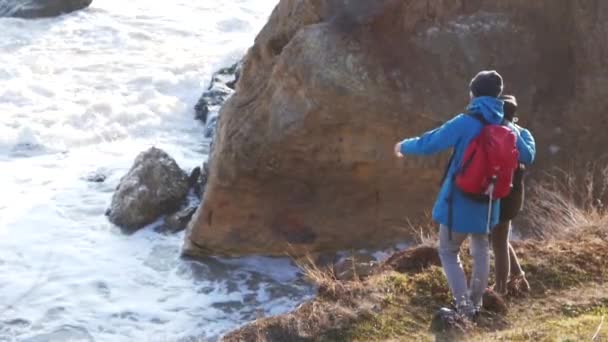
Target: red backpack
x=489 y=162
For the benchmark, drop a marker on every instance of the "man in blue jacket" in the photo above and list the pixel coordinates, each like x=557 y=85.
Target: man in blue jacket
x=468 y=217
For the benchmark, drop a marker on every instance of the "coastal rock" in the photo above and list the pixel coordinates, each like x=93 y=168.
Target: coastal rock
x=198 y=179
x=222 y=85
x=154 y=186
x=40 y=8
x=177 y=222
x=303 y=158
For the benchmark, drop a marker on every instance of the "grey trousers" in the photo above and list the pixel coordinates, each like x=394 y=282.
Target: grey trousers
x=449 y=251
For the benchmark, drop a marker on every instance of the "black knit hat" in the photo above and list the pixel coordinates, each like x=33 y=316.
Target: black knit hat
x=486 y=83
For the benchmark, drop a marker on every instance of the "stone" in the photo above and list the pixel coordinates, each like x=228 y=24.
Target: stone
x=177 y=222
x=222 y=86
x=31 y=9
x=414 y=260
x=98 y=176
x=303 y=156
x=194 y=177
x=154 y=186
x=355 y=267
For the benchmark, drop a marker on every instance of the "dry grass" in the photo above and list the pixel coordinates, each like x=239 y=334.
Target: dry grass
x=566 y=264
x=425 y=233
x=323 y=277
x=563 y=202
x=329 y=287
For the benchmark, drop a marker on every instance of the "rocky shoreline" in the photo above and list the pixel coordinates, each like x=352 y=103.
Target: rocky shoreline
x=156 y=186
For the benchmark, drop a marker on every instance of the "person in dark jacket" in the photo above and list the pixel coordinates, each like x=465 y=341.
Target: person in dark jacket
x=469 y=217
x=506 y=264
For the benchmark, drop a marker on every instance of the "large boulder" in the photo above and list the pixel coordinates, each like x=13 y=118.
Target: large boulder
x=303 y=160
x=154 y=186
x=40 y=8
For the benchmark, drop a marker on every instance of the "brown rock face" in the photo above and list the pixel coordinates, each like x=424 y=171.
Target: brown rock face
x=303 y=158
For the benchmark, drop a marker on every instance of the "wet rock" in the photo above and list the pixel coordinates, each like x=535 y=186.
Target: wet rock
x=198 y=179
x=414 y=260
x=194 y=177
x=223 y=83
x=355 y=267
x=96 y=177
x=177 y=222
x=154 y=186
x=40 y=8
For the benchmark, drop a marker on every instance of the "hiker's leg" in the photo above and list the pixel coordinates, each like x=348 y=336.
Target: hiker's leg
x=500 y=245
x=449 y=250
x=480 y=250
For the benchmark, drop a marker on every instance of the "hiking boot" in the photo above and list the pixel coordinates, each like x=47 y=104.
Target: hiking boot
x=449 y=323
x=467 y=310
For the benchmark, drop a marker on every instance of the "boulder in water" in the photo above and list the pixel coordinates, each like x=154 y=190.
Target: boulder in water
x=154 y=186
x=40 y=8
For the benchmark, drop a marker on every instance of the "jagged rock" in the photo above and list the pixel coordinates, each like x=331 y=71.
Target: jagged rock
x=303 y=157
x=194 y=177
x=154 y=186
x=177 y=222
x=40 y=8
x=198 y=179
x=223 y=83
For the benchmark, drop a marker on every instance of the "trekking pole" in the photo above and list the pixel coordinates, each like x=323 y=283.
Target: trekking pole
x=490 y=194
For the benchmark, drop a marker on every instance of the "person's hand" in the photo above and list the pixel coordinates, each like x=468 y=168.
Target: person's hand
x=398 y=153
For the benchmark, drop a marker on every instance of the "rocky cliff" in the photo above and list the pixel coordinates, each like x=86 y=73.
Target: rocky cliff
x=303 y=157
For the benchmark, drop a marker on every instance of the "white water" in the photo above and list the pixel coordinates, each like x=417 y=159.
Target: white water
x=85 y=93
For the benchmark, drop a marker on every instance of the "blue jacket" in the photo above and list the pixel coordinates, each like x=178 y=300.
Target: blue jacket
x=468 y=216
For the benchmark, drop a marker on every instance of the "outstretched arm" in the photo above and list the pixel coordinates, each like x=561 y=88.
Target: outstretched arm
x=437 y=140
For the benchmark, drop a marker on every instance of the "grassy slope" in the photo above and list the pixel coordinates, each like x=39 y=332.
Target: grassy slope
x=567 y=268
x=569 y=296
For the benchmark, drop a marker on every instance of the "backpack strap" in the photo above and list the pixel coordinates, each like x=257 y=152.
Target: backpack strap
x=479 y=118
